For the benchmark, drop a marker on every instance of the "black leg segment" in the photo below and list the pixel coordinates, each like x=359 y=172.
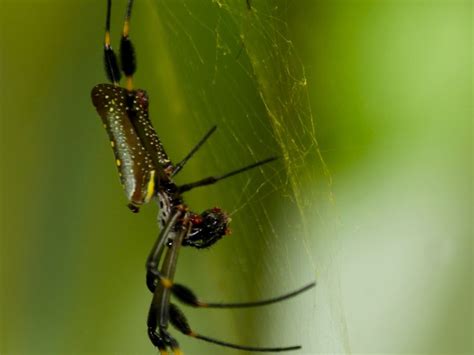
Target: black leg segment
x=110 y=59
x=212 y=179
x=179 y=321
x=187 y=296
x=181 y=164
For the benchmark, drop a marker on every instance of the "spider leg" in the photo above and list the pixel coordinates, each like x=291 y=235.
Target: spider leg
x=152 y=273
x=181 y=164
x=163 y=340
x=187 y=296
x=212 y=179
x=157 y=341
x=127 y=52
x=110 y=59
x=179 y=321
x=158 y=315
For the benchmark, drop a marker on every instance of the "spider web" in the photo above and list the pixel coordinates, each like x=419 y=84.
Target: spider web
x=219 y=62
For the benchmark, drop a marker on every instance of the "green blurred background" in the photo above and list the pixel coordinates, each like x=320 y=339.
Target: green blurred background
x=369 y=104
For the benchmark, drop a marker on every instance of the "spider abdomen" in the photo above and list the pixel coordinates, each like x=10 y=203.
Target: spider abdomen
x=134 y=163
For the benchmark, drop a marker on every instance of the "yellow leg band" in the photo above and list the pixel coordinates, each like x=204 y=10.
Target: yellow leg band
x=107 y=39
x=126 y=28
x=129 y=83
x=167 y=283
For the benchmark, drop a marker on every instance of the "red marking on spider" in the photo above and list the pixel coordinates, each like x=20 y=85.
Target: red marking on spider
x=142 y=98
x=196 y=219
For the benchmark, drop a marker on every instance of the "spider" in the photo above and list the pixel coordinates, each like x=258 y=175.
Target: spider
x=147 y=173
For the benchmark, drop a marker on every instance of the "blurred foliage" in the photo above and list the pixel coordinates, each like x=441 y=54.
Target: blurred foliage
x=369 y=105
